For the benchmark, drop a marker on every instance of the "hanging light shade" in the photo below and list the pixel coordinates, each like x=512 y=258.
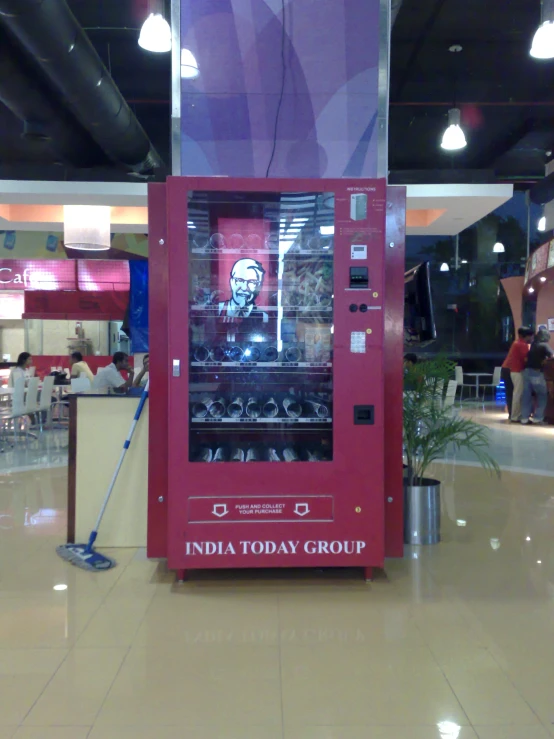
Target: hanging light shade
x=453 y=138
x=543 y=41
x=498 y=248
x=86 y=227
x=155 y=34
x=444 y=267
x=189 y=65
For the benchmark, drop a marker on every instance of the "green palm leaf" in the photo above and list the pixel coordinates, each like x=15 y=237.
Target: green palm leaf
x=430 y=428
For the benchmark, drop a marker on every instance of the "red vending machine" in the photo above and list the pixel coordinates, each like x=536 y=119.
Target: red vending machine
x=275 y=392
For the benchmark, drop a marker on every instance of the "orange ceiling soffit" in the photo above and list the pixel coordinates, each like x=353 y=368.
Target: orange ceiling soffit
x=424 y=217
x=37 y=213
x=122 y=215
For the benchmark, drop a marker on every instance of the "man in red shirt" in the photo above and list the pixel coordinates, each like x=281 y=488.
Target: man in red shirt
x=512 y=370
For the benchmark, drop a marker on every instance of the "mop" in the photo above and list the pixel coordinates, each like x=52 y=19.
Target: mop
x=84 y=555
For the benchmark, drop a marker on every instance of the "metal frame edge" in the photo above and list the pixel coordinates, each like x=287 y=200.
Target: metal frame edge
x=383 y=94
x=176 y=87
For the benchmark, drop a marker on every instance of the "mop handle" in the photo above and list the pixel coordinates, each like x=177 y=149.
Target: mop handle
x=126 y=445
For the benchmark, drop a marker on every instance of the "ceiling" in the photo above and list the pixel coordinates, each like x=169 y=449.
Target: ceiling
x=507 y=99
x=143 y=79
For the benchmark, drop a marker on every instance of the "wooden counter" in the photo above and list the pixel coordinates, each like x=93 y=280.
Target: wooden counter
x=98 y=426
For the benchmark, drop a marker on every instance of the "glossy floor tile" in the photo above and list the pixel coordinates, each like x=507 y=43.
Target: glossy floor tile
x=449 y=731
x=52 y=732
x=511 y=732
x=514 y=446
x=178 y=685
x=47 y=450
x=452 y=642
x=24 y=675
x=185 y=732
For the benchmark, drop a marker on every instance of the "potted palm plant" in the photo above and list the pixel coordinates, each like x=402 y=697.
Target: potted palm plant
x=430 y=429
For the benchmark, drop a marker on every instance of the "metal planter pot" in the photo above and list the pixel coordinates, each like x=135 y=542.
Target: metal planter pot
x=422 y=512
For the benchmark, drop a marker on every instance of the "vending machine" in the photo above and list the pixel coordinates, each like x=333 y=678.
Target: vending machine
x=267 y=435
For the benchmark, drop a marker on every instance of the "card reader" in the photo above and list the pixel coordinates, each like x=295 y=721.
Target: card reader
x=359 y=278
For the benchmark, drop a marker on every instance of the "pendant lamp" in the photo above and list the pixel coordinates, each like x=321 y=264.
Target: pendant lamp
x=87 y=227
x=454 y=137
x=155 y=34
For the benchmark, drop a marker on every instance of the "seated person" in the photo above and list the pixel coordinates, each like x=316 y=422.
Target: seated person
x=142 y=378
x=409 y=361
x=21 y=369
x=110 y=377
x=411 y=382
x=80 y=367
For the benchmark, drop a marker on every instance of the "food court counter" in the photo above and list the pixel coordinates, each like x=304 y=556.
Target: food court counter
x=98 y=426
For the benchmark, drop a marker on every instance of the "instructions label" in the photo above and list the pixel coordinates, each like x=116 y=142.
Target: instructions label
x=254 y=509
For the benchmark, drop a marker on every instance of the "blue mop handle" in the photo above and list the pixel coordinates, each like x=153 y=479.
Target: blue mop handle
x=126 y=445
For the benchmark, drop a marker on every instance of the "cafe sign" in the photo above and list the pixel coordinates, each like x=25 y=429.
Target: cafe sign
x=43 y=274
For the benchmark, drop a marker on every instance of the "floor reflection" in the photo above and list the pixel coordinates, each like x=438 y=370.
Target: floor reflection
x=49 y=449
x=453 y=640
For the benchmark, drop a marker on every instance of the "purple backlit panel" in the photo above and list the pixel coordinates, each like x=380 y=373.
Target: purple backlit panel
x=327 y=124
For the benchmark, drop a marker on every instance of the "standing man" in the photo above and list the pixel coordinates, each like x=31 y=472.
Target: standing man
x=534 y=382
x=110 y=377
x=512 y=372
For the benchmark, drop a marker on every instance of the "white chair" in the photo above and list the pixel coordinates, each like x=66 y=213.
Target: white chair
x=496 y=375
x=450 y=396
x=80 y=384
x=459 y=377
x=17 y=409
x=437 y=388
x=45 y=401
x=31 y=396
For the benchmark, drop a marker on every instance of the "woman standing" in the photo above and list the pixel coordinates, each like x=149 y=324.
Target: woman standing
x=534 y=382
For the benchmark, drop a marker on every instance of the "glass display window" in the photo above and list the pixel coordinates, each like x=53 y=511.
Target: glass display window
x=261 y=326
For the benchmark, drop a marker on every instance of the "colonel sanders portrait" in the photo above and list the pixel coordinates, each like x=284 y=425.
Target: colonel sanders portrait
x=246 y=282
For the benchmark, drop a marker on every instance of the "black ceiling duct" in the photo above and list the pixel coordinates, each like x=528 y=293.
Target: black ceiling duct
x=51 y=35
x=44 y=122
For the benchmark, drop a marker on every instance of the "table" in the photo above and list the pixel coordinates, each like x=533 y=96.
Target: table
x=477 y=376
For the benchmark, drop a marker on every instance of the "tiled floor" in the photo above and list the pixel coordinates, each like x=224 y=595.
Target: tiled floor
x=49 y=449
x=514 y=446
x=454 y=641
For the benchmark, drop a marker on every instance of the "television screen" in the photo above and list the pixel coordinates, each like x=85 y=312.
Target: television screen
x=419 y=318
